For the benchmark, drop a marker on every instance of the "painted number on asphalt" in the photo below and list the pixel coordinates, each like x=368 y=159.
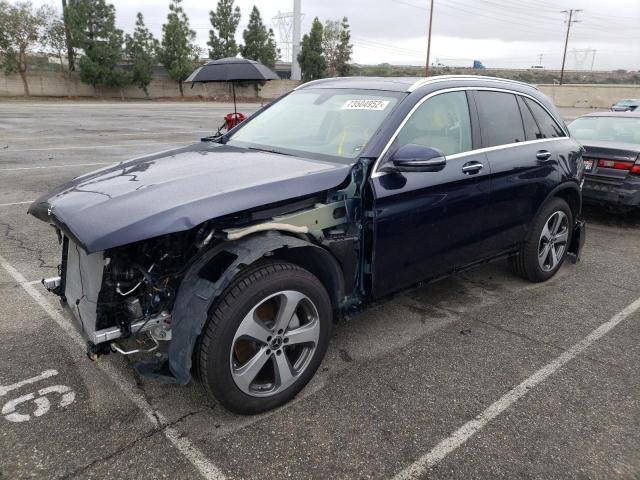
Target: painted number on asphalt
x=15 y=410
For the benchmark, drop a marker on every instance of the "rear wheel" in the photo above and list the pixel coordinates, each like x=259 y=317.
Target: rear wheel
x=265 y=337
x=545 y=248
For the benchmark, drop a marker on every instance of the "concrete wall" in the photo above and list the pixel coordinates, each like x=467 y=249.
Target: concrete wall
x=54 y=84
x=592 y=96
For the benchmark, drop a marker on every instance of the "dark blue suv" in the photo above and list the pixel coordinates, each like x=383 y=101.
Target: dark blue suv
x=237 y=254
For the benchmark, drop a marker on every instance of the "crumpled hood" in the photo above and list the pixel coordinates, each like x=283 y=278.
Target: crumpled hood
x=176 y=190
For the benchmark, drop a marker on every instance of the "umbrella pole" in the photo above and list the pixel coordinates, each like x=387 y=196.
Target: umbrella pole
x=235 y=110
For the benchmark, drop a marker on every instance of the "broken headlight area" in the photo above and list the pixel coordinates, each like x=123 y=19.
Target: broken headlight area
x=127 y=291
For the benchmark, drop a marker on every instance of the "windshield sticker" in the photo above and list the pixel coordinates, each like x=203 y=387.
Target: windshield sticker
x=376 y=105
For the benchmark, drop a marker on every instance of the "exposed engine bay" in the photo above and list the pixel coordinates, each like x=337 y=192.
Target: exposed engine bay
x=126 y=290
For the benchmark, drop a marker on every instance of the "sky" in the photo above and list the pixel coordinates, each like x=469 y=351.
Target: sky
x=499 y=33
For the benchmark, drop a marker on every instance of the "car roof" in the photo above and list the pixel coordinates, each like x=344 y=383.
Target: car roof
x=401 y=84
x=612 y=114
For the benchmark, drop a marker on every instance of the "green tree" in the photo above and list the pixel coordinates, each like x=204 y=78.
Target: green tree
x=259 y=43
x=21 y=29
x=224 y=20
x=311 y=57
x=92 y=28
x=177 y=50
x=345 y=49
x=55 y=40
x=71 y=55
x=336 y=47
x=140 y=49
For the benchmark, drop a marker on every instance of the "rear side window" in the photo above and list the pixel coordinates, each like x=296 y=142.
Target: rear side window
x=500 y=120
x=531 y=129
x=548 y=125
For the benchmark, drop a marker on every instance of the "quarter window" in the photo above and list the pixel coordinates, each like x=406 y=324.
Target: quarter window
x=548 y=125
x=531 y=129
x=500 y=120
x=441 y=122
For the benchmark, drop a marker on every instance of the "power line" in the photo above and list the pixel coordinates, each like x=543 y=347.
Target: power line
x=528 y=28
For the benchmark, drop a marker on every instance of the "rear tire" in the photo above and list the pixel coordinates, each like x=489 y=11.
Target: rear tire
x=545 y=248
x=265 y=337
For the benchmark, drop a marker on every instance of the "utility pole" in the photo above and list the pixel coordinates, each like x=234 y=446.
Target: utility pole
x=70 y=53
x=540 y=59
x=566 y=40
x=296 y=74
x=426 y=67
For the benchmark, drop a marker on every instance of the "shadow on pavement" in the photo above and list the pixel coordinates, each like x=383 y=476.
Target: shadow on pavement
x=600 y=215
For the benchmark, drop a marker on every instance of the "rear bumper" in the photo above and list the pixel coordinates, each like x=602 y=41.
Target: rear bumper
x=626 y=194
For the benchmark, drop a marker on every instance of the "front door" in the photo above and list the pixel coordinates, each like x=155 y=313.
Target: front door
x=426 y=224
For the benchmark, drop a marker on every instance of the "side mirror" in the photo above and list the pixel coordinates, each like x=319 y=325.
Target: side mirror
x=417 y=158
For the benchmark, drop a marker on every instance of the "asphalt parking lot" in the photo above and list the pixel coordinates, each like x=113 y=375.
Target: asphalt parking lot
x=481 y=375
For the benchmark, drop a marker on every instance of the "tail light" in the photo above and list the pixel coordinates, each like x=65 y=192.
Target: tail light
x=617 y=165
x=636 y=166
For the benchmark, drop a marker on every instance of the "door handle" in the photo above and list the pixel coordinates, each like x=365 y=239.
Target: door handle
x=472 y=167
x=543 y=155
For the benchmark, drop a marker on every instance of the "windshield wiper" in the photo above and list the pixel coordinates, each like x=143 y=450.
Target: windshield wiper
x=269 y=151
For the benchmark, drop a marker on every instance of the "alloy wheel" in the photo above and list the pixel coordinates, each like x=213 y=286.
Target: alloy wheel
x=553 y=241
x=274 y=343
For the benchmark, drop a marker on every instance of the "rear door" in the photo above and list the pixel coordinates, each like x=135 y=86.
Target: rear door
x=428 y=223
x=523 y=166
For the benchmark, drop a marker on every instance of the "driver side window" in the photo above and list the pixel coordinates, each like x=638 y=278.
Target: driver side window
x=441 y=122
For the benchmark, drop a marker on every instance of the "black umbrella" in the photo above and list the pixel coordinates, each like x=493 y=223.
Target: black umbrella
x=232 y=70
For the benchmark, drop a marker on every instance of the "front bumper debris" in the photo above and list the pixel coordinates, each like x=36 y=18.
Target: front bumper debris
x=52 y=284
x=113 y=333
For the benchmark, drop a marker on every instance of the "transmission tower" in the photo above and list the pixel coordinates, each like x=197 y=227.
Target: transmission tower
x=284 y=26
x=288 y=27
x=582 y=55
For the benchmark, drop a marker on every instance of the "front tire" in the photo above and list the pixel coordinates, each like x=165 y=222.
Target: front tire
x=265 y=337
x=545 y=248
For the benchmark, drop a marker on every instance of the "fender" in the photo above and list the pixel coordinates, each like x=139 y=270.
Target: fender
x=566 y=185
x=197 y=293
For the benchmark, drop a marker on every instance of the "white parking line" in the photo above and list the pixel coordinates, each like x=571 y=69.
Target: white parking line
x=15 y=203
x=89 y=147
x=55 y=166
x=198 y=459
x=46 y=374
x=469 y=429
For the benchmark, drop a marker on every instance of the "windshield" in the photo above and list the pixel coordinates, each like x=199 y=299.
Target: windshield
x=625 y=103
x=610 y=129
x=331 y=123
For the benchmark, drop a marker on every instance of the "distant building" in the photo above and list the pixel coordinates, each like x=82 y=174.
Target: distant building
x=283 y=69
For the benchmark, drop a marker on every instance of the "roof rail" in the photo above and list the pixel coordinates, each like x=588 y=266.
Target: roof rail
x=319 y=80
x=443 y=78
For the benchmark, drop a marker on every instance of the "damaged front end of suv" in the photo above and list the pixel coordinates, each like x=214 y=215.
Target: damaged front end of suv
x=229 y=259
x=161 y=288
